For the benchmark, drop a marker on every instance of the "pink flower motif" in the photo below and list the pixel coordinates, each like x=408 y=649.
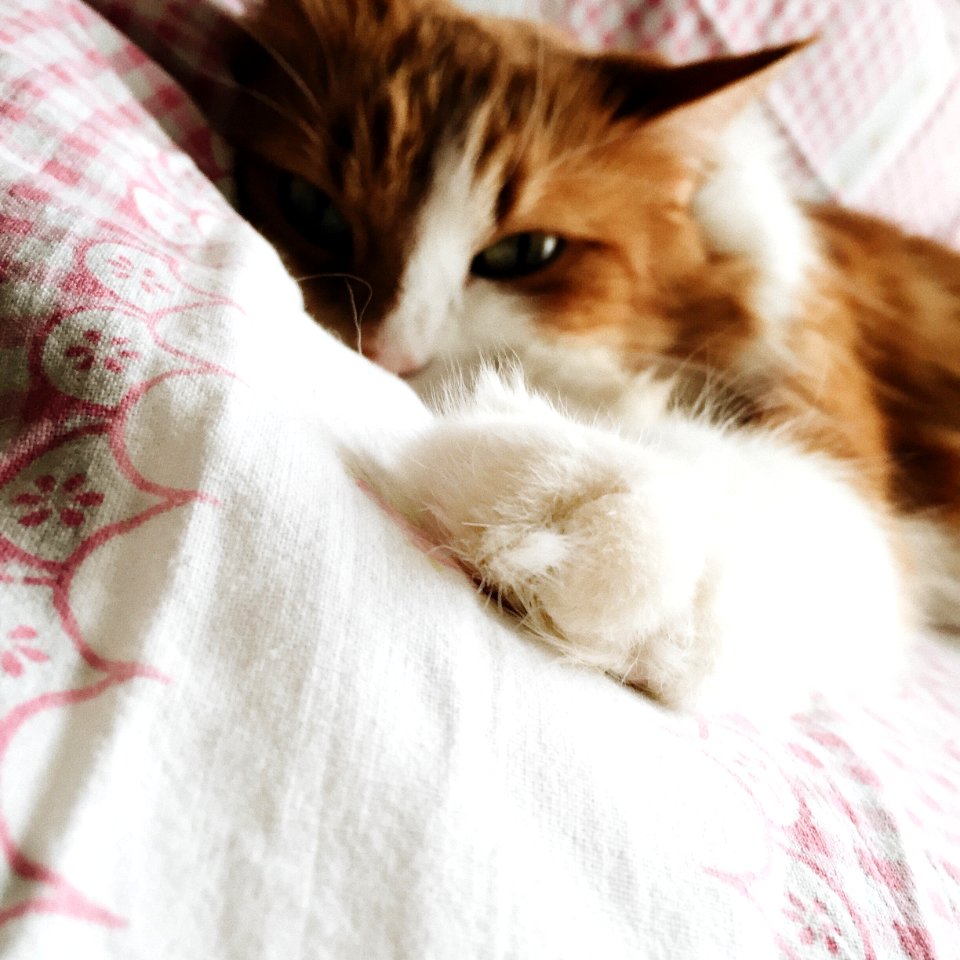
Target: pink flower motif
x=150 y=281
x=120 y=353
x=124 y=268
x=90 y=350
x=68 y=500
x=18 y=648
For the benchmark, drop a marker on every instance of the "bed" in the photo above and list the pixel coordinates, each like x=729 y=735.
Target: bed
x=245 y=714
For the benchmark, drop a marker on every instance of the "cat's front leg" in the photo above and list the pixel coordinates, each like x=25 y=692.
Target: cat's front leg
x=691 y=562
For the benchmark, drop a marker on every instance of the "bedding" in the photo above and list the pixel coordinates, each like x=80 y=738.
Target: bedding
x=244 y=714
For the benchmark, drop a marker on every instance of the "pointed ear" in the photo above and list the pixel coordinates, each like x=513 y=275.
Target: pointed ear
x=644 y=89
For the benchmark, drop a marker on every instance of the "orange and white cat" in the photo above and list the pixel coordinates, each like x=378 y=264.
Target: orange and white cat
x=724 y=460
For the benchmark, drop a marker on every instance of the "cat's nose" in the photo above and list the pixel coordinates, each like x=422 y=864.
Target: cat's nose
x=396 y=361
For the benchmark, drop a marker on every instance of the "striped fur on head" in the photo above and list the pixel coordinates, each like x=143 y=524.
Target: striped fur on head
x=435 y=134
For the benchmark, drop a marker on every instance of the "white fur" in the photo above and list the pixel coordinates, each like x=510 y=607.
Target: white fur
x=746 y=209
x=708 y=565
x=456 y=213
x=934 y=557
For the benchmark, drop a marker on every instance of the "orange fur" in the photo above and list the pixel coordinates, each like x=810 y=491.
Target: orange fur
x=607 y=151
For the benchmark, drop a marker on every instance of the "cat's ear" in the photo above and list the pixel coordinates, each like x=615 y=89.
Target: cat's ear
x=715 y=90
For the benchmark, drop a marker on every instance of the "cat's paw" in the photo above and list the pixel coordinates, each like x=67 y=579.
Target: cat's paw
x=596 y=541
x=691 y=561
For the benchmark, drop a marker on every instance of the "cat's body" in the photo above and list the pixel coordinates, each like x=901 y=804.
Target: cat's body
x=770 y=498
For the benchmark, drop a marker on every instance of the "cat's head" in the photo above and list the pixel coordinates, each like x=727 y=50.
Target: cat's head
x=445 y=184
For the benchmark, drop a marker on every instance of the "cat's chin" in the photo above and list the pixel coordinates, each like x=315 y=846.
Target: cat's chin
x=427 y=380
x=436 y=380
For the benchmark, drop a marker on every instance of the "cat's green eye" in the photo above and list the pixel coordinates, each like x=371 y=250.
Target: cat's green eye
x=518 y=255
x=314 y=215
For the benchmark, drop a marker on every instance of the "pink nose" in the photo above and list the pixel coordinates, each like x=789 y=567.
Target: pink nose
x=396 y=361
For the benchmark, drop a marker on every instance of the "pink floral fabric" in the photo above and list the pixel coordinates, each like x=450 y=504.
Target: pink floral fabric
x=242 y=716
x=108 y=236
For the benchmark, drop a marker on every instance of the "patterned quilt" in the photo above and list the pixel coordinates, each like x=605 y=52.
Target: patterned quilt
x=243 y=715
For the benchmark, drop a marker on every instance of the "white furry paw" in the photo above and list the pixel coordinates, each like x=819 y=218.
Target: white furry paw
x=692 y=561
x=591 y=538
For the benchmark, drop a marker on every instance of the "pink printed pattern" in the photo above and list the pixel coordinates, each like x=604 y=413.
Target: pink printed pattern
x=103 y=250
x=20 y=649
x=851 y=819
x=863 y=847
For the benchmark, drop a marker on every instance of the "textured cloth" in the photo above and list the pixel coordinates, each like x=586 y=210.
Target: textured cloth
x=242 y=715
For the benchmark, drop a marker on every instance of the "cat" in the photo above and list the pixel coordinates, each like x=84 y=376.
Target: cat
x=712 y=445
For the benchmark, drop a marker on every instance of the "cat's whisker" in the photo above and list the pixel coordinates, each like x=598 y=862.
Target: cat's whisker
x=338 y=275
x=347 y=278
x=356 y=317
x=287 y=68
x=309 y=131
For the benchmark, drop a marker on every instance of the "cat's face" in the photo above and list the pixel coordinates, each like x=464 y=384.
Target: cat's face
x=444 y=184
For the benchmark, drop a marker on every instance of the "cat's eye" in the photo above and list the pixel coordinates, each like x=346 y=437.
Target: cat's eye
x=518 y=255
x=314 y=215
